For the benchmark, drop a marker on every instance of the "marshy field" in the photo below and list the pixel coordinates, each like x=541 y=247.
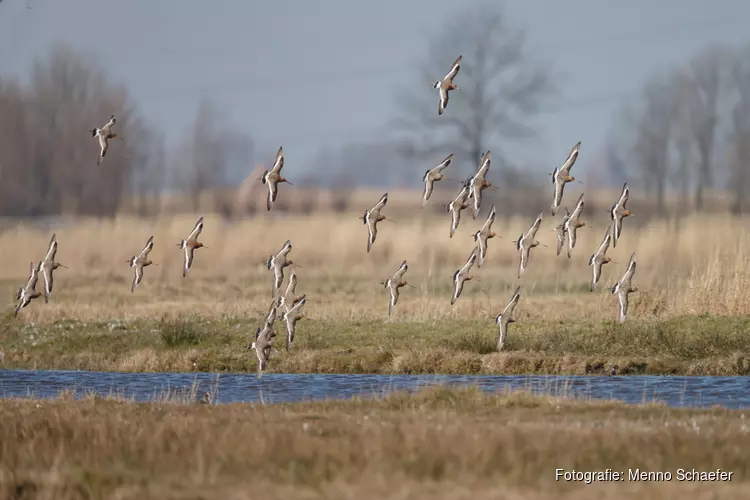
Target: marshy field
x=690 y=315
x=438 y=443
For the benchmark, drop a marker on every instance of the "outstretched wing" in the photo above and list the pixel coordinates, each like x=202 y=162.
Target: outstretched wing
x=622 y=297
x=443 y=100
x=48 y=281
x=572 y=157
x=508 y=311
x=392 y=298
x=443 y=164
x=196 y=230
x=624 y=195
x=455 y=217
x=535 y=226
x=372 y=233
x=559 y=187
x=490 y=219
x=381 y=202
x=454 y=69
x=297 y=306
x=278 y=163
x=137 y=278
x=147 y=249
x=630 y=271
x=398 y=275
x=273 y=191
x=524 y=260
x=604 y=246
x=285 y=250
x=476 y=193
x=470 y=261
x=52 y=249
x=578 y=209
x=597 y=265
x=428 y=186
x=188 y=260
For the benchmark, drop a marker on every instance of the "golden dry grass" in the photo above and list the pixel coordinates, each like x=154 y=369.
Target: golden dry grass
x=440 y=443
x=701 y=269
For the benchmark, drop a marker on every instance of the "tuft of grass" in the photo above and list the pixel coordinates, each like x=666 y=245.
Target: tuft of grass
x=182 y=332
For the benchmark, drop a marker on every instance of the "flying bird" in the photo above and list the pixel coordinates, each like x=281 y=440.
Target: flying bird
x=371 y=219
x=277 y=263
x=28 y=293
x=459 y=203
x=48 y=266
x=526 y=242
x=262 y=346
x=562 y=231
x=504 y=318
x=104 y=134
x=140 y=262
x=393 y=284
x=289 y=297
x=290 y=318
x=432 y=176
x=273 y=177
x=618 y=212
x=445 y=85
x=481 y=236
x=600 y=258
x=561 y=176
x=623 y=288
x=190 y=245
x=573 y=223
x=479 y=182
x=463 y=275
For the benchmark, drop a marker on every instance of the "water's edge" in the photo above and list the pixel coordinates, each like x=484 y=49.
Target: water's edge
x=678 y=391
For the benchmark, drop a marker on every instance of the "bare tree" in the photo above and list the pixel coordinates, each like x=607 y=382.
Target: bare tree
x=739 y=137
x=503 y=90
x=14 y=151
x=648 y=142
x=52 y=156
x=208 y=153
x=703 y=88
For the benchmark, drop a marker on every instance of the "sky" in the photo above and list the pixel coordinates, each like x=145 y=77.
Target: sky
x=314 y=74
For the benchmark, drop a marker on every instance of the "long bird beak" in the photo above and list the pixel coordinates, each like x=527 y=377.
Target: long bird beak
x=155 y=264
x=66 y=267
x=389 y=220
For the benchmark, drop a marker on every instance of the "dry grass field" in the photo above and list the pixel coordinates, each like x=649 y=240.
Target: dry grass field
x=439 y=443
x=688 y=317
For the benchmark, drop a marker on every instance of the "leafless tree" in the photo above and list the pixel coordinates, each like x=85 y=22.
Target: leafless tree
x=503 y=90
x=651 y=122
x=704 y=86
x=51 y=155
x=739 y=136
x=208 y=153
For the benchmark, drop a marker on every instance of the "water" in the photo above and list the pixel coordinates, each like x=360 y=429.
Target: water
x=731 y=392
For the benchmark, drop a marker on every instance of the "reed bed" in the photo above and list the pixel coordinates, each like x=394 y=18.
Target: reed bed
x=438 y=443
x=686 y=318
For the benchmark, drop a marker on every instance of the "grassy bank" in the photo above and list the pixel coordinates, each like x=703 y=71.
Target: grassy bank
x=680 y=345
x=687 y=318
x=440 y=443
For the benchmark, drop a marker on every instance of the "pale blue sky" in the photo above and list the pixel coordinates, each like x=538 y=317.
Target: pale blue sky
x=311 y=73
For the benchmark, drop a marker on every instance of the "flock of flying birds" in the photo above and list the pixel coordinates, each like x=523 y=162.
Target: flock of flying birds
x=288 y=305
